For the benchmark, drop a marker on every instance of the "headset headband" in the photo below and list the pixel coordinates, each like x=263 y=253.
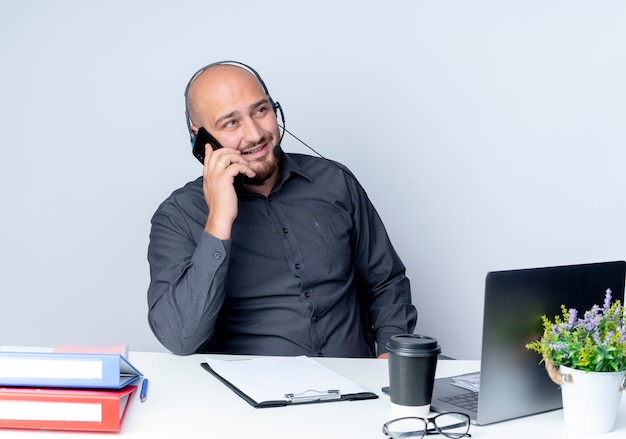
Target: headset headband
x=275 y=105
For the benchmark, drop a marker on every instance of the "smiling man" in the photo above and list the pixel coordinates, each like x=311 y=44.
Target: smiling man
x=285 y=264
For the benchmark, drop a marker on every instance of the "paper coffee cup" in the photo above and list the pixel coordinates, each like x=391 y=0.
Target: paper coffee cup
x=412 y=365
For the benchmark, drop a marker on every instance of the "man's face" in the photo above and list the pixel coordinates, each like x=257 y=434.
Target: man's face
x=231 y=105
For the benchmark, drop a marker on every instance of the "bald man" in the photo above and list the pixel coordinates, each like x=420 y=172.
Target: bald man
x=280 y=266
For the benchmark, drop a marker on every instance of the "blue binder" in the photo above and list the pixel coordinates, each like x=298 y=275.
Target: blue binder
x=70 y=370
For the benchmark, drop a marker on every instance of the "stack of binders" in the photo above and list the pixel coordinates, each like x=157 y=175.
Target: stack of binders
x=65 y=391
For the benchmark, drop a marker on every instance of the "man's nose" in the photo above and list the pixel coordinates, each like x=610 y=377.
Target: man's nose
x=252 y=131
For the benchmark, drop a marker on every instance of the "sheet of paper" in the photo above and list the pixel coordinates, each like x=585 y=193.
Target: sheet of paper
x=270 y=378
x=468 y=381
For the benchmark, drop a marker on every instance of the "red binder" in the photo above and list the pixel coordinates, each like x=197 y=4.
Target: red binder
x=64 y=409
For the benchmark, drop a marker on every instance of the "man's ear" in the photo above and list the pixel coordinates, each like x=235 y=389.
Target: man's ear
x=194 y=128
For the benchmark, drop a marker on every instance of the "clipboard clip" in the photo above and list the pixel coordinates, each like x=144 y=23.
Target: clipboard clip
x=313 y=395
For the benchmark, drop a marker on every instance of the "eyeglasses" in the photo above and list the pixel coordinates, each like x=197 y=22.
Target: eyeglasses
x=452 y=425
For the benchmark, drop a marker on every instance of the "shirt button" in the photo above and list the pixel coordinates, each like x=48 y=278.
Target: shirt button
x=217 y=255
x=307 y=294
x=297 y=266
x=314 y=318
x=285 y=230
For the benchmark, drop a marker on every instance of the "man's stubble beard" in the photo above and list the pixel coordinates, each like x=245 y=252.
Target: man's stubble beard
x=264 y=170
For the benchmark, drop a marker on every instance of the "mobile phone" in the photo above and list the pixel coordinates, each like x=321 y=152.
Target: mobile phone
x=202 y=138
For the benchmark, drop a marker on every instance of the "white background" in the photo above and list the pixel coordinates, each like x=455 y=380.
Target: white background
x=490 y=135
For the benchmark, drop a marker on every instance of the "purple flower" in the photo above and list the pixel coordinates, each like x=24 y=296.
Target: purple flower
x=572 y=318
x=591 y=320
x=607 y=300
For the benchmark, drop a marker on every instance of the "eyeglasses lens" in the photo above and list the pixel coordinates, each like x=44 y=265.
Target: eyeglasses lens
x=407 y=428
x=453 y=425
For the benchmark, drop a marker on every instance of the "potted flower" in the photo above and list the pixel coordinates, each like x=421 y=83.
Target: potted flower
x=587 y=357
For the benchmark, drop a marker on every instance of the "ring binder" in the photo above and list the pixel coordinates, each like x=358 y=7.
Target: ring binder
x=313 y=395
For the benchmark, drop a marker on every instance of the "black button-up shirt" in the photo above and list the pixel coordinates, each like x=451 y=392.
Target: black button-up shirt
x=288 y=281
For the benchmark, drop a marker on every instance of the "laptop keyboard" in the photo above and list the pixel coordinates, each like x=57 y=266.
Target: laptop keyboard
x=467 y=401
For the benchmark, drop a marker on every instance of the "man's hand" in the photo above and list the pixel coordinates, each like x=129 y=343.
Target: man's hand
x=220 y=169
x=383 y=356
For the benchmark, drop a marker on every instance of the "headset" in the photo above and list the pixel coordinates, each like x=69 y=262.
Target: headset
x=275 y=105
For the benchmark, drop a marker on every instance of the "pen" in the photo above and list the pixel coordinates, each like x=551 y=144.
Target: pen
x=143 y=393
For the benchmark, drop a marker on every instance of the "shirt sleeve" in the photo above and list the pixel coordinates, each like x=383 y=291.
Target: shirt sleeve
x=188 y=268
x=382 y=279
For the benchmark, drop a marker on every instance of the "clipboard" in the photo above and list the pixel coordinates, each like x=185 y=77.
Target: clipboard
x=282 y=381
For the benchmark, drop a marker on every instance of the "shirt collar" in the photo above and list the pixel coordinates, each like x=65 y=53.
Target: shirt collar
x=289 y=167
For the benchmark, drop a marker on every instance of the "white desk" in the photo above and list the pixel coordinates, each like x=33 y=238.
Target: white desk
x=185 y=401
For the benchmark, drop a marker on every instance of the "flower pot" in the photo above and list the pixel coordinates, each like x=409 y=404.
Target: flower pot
x=591 y=399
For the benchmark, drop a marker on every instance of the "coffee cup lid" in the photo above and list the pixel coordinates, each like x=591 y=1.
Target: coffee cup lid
x=414 y=345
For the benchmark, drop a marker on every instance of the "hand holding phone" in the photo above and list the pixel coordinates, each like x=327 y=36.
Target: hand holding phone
x=202 y=138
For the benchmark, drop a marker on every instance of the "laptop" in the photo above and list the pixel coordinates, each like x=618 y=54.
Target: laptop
x=512 y=383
